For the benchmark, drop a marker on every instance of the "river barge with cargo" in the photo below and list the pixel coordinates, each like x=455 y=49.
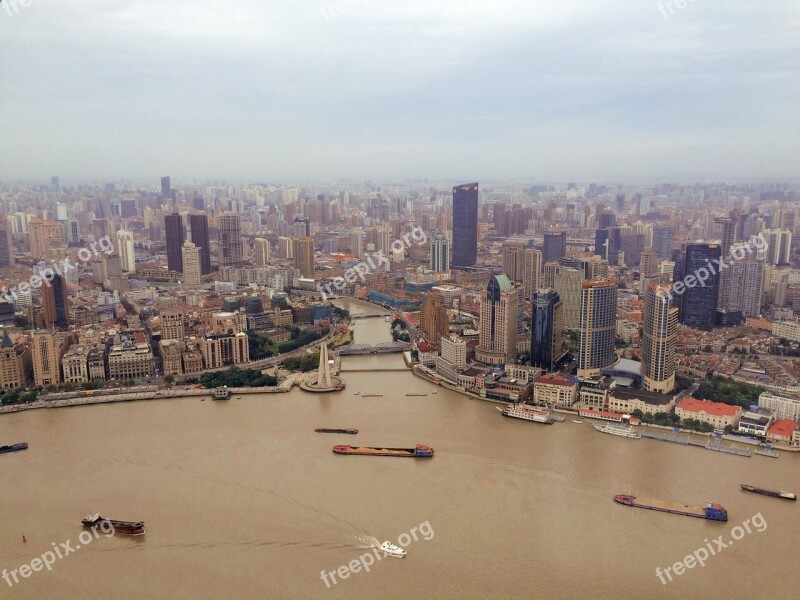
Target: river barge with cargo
x=419 y=451
x=712 y=510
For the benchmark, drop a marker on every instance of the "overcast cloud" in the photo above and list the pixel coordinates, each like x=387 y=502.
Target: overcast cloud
x=537 y=90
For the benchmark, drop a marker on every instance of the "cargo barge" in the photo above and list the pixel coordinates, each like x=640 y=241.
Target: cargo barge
x=782 y=495
x=326 y=430
x=14 y=448
x=712 y=511
x=419 y=451
x=117 y=527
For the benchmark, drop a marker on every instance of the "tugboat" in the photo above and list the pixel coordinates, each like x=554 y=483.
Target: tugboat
x=782 y=495
x=390 y=549
x=117 y=527
x=14 y=448
x=326 y=430
x=711 y=511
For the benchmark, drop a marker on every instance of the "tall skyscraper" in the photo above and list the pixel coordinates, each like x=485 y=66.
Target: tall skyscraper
x=6 y=246
x=440 y=252
x=497 y=341
x=659 y=339
x=166 y=187
x=434 y=322
x=697 y=305
x=533 y=270
x=598 y=326
x=555 y=245
x=547 y=329
x=567 y=282
x=127 y=252
x=465 y=225
x=229 y=235
x=779 y=248
x=199 y=225
x=191 y=264
x=55 y=303
x=46 y=357
x=514 y=260
x=662 y=241
x=357 y=243
x=303 y=250
x=173 y=229
x=263 y=252
x=745 y=279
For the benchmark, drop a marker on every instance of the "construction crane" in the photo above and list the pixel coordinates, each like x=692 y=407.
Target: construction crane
x=302 y=219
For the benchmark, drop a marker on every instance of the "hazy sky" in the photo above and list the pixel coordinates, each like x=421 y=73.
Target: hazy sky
x=280 y=90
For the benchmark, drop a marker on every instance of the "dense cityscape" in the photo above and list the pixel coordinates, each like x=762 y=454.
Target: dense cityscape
x=576 y=296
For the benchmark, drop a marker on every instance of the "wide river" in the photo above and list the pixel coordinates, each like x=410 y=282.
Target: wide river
x=242 y=499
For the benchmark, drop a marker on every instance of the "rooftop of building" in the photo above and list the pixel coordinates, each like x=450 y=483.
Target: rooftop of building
x=655 y=398
x=784 y=427
x=554 y=379
x=716 y=409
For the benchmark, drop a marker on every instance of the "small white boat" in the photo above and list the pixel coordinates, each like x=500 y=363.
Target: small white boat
x=390 y=549
x=577 y=421
x=356 y=393
x=433 y=391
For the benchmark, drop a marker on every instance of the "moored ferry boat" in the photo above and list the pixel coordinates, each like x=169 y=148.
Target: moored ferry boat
x=117 y=527
x=528 y=413
x=419 y=451
x=14 y=447
x=390 y=549
x=620 y=430
x=712 y=511
x=779 y=494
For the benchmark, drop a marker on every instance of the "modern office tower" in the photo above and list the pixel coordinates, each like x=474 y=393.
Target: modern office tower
x=606 y=219
x=728 y=233
x=697 y=305
x=598 y=326
x=166 y=187
x=465 y=225
x=632 y=245
x=662 y=241
x=263 y=252
x=647 y=266
x=595 y=268
x=746 y=284
x=378 y=237
x=779 y=246
x=549 y=271
x=547 y=329
x=434 y=322
x=659 y=339
x=357 y=243
x=199 y=225
x=198 y=203
x=6 y=245
x=668 y=268
x=71 y=231
x=191 y=263
x=567 y=282
x=531 y=276
x=555 y=245
x=303 y=251
x=172 y=326
x=127 y=252
x=285 y=247
x=514 y=260
x=728 y=237
x=229 y=235
x=45 y=355
x=55 y=303
x=39 y=232
x=175 y=234
x=454 y=351
x=56 y=184
x=440 y=252
x=497 y=342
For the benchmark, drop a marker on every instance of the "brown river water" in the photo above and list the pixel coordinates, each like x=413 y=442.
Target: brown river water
x=241 y=499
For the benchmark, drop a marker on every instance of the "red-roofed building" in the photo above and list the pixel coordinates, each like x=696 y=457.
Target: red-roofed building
x=782 y=430
x=714 y=413
x=552 y=389
x=427 y=353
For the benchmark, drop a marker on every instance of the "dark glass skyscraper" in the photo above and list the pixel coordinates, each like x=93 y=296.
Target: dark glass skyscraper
x=662 y=241
x=697 y=305
x=165 y=187
x=465 y=225
x=199 y=225
x=555 y=246
x=54 y=303
x=547 y=329
x=173 y=228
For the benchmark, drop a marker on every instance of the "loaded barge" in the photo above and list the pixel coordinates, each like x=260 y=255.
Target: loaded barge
x=712 y=511
x=117 y=527
x=420 y=451
x=14 y=448
x=782 y=495
x=326 y=430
